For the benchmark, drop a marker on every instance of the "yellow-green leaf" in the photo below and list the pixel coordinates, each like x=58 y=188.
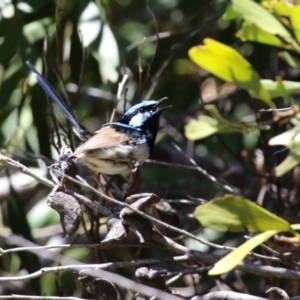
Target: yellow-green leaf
x=226 y=63
x=280 y=7
x=256 y=14
x=295 y=20
x=290 y=59
x=205 y=126
x=229 y=13
x=232 y=259
x=295 y=226
x=279 y=88
x=232 y=213
x=291 y=161
x=290 y=138
x=251 y=32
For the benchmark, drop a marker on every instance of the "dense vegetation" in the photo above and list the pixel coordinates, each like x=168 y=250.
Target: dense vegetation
x=224 y=174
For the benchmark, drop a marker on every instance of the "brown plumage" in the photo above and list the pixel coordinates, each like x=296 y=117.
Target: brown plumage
x=105 y=137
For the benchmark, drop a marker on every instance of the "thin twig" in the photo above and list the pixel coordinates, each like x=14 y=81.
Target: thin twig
x=82 y=199
x=169 y=243
x=228 y=295
x=15 y=296
x=226 y=187
x=119 y=95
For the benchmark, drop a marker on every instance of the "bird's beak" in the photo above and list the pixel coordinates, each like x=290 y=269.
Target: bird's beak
x=159 y=111
x=159 y=102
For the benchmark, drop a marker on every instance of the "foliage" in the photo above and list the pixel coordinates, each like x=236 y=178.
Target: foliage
x=231 y=71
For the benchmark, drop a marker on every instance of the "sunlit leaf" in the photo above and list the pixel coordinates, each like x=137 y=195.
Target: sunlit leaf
x=290 y=59
x=99 y=39
x=291 y=161
x=232 y=213
x=295 y=20
x=280 y=7
x=41 y=215
x=226 y=63
x=273 y=87
x=256 y=14
x=232 y=259
x=89 y=24
x=205 y=126
x=251 y=32
x=229 y=13
x=36 y=30
x=290 y=139
x=108 y=55
x=295 y=226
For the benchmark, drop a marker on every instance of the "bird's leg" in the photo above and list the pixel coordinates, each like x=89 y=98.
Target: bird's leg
x=102 y=184
x=134 y=179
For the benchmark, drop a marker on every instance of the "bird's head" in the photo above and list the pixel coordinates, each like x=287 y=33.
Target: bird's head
x=142 y=113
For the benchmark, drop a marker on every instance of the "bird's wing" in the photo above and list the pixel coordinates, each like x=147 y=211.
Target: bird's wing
x=105 y=137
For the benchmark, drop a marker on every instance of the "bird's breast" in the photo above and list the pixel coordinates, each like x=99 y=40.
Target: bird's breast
x=116 y=159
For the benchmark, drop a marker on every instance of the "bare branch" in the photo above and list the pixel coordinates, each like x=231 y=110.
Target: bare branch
x=226 y=187
x=228 y=295
x=82 y=199
x=14 y=296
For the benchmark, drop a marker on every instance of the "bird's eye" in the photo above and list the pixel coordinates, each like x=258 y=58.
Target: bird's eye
x=142 y=109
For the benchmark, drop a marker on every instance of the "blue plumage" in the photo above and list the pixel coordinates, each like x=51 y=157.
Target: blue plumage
x=117 y=145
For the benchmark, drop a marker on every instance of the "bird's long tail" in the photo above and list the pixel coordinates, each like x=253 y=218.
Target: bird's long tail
x=82 y=132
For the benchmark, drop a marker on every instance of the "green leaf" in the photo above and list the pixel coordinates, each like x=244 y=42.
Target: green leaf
x=36 y=30
x=291 y=161
x=280 y=7
x=295 y=226
x=229 y=13
x=251 y=32
x=226 y=63
x=275 y=90
x=295 y=20
x=232 y=213
x=290 y=139
x=41 y=215
x=99 y=39
x=232 y=259
x=291 y=60
x=256 y=14
x=205 y=126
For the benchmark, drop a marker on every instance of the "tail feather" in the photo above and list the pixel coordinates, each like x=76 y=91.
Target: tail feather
x=82 y=132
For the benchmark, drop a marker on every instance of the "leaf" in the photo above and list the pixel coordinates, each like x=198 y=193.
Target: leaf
x=291 y=60
x=251 y=32
x=205 y=126
x=232 y=213
x=256 y=14
x=281 y=7
x=295 y=20
x=290 y=139
x=226 y=63
x=229 y=13
x=291 y=161
x=274 y=89
x=99 y=39
x=36 y=30
x=232 y=259
x=108 y=55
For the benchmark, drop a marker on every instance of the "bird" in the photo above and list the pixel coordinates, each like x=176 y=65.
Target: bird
x=117 y=147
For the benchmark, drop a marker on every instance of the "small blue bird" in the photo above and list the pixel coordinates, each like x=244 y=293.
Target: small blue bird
x=116 y=146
